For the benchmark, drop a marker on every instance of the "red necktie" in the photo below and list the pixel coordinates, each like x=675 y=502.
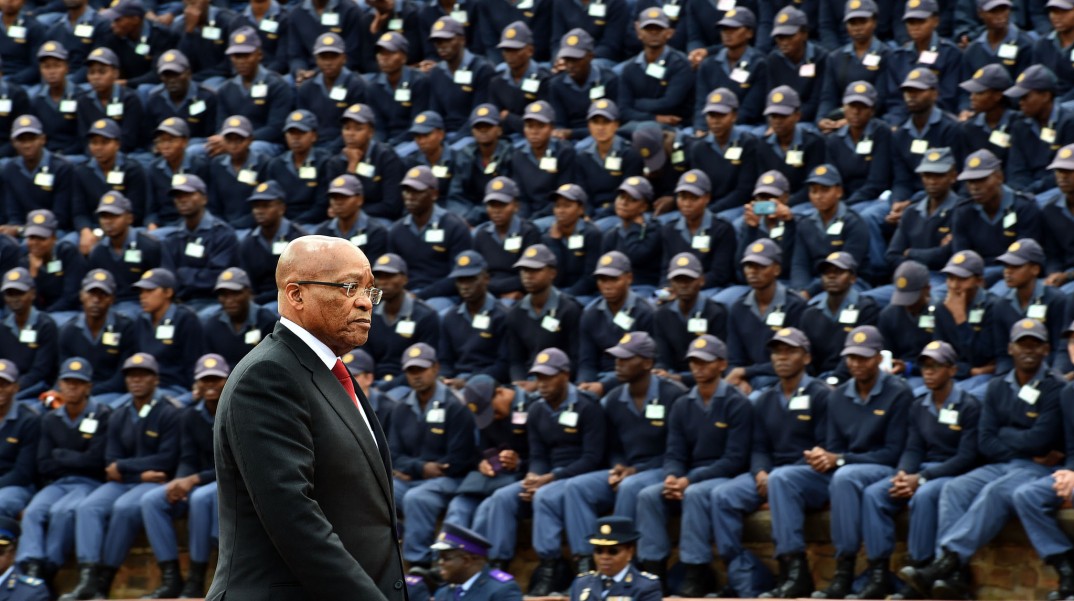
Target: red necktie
x=340 y=372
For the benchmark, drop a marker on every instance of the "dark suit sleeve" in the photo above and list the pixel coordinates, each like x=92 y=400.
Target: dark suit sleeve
x=274 y=452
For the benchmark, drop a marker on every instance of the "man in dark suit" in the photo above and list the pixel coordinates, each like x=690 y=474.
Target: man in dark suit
x=303 y=516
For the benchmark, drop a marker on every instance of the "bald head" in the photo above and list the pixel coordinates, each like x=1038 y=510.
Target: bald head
x=309 y=257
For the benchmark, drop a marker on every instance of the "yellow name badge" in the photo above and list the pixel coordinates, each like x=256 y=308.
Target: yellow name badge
x=13 y=440
x=152 y=434
x=721 y=425
x=805 y=418
x=878 y=411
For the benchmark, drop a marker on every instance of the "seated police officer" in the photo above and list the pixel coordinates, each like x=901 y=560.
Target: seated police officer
x=462 y=559
x=689 y=314
x=835 y=312
x=614 y=543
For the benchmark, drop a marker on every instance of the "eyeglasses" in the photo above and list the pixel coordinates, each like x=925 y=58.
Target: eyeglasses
x=607 y=550
x=350 y=289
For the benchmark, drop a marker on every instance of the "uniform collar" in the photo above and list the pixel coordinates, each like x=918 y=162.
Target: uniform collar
x=551 y=305
x=820 y=301
x=490 y=304
x=652 y=394
x=934 y=118
x=850 y=390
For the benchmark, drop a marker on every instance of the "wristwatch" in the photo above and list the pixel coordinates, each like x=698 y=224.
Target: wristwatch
x=840 y=461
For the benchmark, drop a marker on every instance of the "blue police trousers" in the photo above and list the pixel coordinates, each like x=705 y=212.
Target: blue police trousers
x=791 y=490
x=1036 y=504
x=159 y=515
x=695 y=540
x=422 y=502
x=848 y=485
x=878 y=519
x=590 y=494
x=53 y=507
x=731 y=503
x=107 y=522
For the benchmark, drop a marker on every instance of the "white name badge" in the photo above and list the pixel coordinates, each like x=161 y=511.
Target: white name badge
x=464 y=77
x=5 y=105
x=795 y=158
x=440 y=171
x=434 y=236
x=259 y=90
x=44 y=180
x=490 y=168
x=114 y=178
x=518 y=418
x=435 y=416
x=613 y=163
x=338 y=93
x=402 y=95
x=575 y=242
x=269 y=26
x=16 y=31
x=359 y=240
x=697 y=325
x=28 y=336
x=976 y=315
x=195 y=250
x=165 y=332
x=725 y=5
x=531 y=85
x=928 y=57
x=142 y=49
x=1029 y=394
x=54 y=266
x=623 y=320
x=700 y=242
x=513 y=244
x=569 y=419
x=480 y=322
x=405 y=328
x=733 y=153
x=656 y=71
x=279 y=246
x=1038 y=312
x=110 y=338
x=144 y=411
x=1008 y=51
x=460 y=16
x=307 y=172
x=549 y=164
x=598 y=11
x=948 y=416
x=775 y=319
x=550 y=323
x=68 y=106
x=654 y=412
x=596 y=92
x=799 y=403
x=252 y=337
x=210 y=32
x=777 y=232
x=248 y=176
x=864 y=147
x=365 y=170
x=807 y=70
x=114 y=109
x=196 y=108
x=672 y=11
x=919 y=146
x=395 y=24
x=1000 y=138
x=88 y=426
x=1047 y=135
x=1009 y=220
x=848 y=316
x=926 y=322
x=740 y=75
x=330 y=19
x=835 y=228
x=84 y=30
x=871 y=60
x=678 y=156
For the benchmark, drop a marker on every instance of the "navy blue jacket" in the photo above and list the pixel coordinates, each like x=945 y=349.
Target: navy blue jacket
x=814 y=153
x=827 y=333
x=381 y=173
x=368 y=235
x=602 y=183
x=1058 y=244
x=507 y=94
x=639 y=585
x=815 y=241
x=1047 y=52
x=701 y=17
x=748 y=333
x=259 y=256
x=1009 y=311
x=134 y=133
x=921 y=233
x=571 y=100
x=21 y=431
x=222 y=338
x=980 y=52
x=501 y=254
x=709 y=441
x=781 y=433
x=643 y=96
x=414 y=440
x=443 y=169
x=536 y=185
x=429 y=263
x=1030 y=155
x=65 y=450
x=599 y=331
x=781 y=72
x=714 y=72
x=947 y=66
x=870 y=432
x=267 y=112
x=566 y=451
x=207 y=58
x=865 y=175
x=305 y=26
x=979 y=340
x=671 y=330
x=394 y=117
x=198 y=109
x=387 y=347
x=608 y=31
x=35 y=360
x=20 y=105
x=409 y=16
x=466 y=349
x=273 y=29
x=527 y=333
x=160 y=208
x=135 y=67
x=732 y=180
x=643 y=245
x=78 y=46
x=941 y=130
x=717 y=257
x=328 y=105
x=225 y=188
x=61 y=127
x=177 y=354
x=843 y=66
x=1011 y=428
x=454 y=101
x=91 y=184
x=493 y=16
x=952 y=445
x=576 y=260
x=197 y=275
x=127 y=267
x=472 y=174
x=638 y=438
x=990 y=237
x=196 y=444
x=106 y=352
x=137 y=444
x=59 y=280
x=904 y=335
x=20 y=62
x=976 y=135
x=21 y=195
x=306 y=197
x=783 y=233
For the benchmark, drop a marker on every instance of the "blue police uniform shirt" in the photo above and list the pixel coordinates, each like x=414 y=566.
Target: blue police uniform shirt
x=273 y=28
x=576 y=253
x=19 y=52
x=139 y=443
x=1047 y=304
x=196 y=439
x=328 y=105
x=749 y=331
x=872 y=430
x=972 y=229
x=511 y=433
x=643 y=95
x=266 y=103
x=20 y=432
x=307 y=24
x=198 y=256
x=713 y=243
x=571 y=99
x=442 y=432
x=454 y=95
x=443 y=169
x=133 y=133
x=59 y=119
x=77 y=39
x=139 y=253
x=920 y=233
x=569 y=440
x=33 y=349
x=27 y=190
x=732 y=170
x=1050 y=52
x=473 y=173
x=1031 y=150
x=803 y=78
x=846 y=232
x=231 y=341
x=1014 y=52
x=366 y=234
x=709 y=438
x=747 y=78
x=642 y=244
x=486 y=585
x=827 y=329
x=73 y=447
x=430 y=251
x=1057 y=219
x=785 y=426
x=607 y=26
x=1011 y=427
x=138 y=54
x=638 y=437
x=940 y=131
x=205 y=51
x=946 y=436
x=501 y=252
x=176 y=342
x=396 y=107
x=601 y=330
x=905 y=334
x=947 y=65
x=226 y=184
x=198 y=108
x=513 y=95
x=381 y=174
x=529 y=331
x=91 y=183
x=977 y=134
x=258 y=257
x=59 y=279
x=16 y=587
x=604 y=174
x=105 y=350
x=630 y=583
x=473 y=343
x=674 y=328
x=160 y=208
x=813 y=153
x=843 y=66
x=864 y=164
x=539 y=177
x=979 y=340
x=415 y=322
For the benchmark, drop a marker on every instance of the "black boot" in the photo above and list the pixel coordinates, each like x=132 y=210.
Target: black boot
x=878 y=585
x=843 y=579
x=87 y=584
x=171 y=582
x=105 y=576
x=699 y=581
x=658 y=568
x=1064 y=566
x=795 y=579
x=922 y=579
x=544 y=578
x=583 y=564
x=195 y=581
x=955 y=587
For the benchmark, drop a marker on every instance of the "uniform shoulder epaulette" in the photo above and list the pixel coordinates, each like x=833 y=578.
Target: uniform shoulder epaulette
x=413 y=580
x=501 y=575
x=650 y=576
x=30 y=580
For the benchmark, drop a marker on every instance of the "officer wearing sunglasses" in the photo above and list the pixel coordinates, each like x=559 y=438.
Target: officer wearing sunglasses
x=615 y=576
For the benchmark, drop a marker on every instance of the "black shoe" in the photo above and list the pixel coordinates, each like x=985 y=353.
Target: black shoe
x=922 y=579
x=1064 y=566
x=842 y=581
x=583 y=564
x=171 y=582
x=699 y=581
x=544 y=578
x=195 y=581
x=878 y=586
x=105 y=576
x=795 y=578
x=87 y=584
